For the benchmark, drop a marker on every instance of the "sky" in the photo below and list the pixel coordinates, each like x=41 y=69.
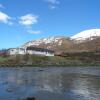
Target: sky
x=25 y=20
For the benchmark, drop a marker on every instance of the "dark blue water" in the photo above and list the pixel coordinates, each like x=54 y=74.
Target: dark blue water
x=50 y=83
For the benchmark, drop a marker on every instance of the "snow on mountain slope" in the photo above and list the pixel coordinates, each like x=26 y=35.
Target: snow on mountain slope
x=87 y=34
x=84 y=40
x=44 y=41
x=58 y=44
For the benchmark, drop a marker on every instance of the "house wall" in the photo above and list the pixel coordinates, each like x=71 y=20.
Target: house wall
x=12 y=51
x=16 y=51
x=21 y=51
x=40 y=53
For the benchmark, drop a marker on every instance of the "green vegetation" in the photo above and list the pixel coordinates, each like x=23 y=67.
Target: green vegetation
x=2 y=59
x=66 y=59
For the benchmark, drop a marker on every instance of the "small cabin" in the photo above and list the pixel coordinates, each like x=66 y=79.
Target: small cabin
x=15 y=51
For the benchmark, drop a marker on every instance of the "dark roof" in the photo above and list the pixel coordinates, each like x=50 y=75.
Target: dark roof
x=16 y=48
x=39 y=49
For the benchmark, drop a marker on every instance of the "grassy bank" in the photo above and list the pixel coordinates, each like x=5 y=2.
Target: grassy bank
x=45 y=61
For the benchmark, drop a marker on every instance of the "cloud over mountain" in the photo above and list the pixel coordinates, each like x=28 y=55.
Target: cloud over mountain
x=4 y=18
x=28 y=19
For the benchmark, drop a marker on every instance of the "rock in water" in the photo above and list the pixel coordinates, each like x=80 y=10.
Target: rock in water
x=31 y=98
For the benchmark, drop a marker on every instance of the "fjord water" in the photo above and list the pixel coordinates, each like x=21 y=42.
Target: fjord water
x=71 y=83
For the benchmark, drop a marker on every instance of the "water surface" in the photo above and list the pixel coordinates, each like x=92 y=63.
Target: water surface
x=71 y=83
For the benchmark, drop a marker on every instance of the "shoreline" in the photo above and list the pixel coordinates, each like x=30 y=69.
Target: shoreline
x=22 y=65
x=46 y=61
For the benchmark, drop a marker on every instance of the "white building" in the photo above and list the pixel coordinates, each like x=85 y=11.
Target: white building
x=30 y=50
x=39 y=51
x=15 y=51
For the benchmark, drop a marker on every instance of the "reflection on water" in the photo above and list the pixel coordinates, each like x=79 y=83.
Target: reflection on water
x=50 y=84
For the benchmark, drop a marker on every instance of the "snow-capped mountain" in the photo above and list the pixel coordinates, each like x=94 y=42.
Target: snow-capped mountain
x=50 y=40
x=87 y=35
x=87 y=40
x=52 y=43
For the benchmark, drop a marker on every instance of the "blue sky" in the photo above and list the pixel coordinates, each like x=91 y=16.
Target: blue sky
x=25 y=20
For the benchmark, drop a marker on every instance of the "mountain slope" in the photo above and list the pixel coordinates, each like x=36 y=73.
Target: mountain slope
x=58 y=44
x=88 y=40
x=93 y=45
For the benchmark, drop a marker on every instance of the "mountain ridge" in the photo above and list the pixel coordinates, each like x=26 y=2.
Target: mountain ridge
x=79 y=42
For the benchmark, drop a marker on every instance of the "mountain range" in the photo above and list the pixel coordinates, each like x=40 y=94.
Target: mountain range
x=88 y=40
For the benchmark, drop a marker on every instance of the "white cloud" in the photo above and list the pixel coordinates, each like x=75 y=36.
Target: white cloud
x=52 y=3
x=52 y=7
x=4 y=18
x=34 y=31
x=28 y=19
x=30 y=30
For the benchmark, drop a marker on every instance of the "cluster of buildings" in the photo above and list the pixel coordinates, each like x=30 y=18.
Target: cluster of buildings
x=31 y=51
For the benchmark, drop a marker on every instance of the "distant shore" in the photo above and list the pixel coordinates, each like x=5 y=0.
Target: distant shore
x=74 y=60
x=38 y=65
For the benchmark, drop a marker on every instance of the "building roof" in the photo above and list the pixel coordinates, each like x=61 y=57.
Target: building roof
x=16 y=49
x=39 y=49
